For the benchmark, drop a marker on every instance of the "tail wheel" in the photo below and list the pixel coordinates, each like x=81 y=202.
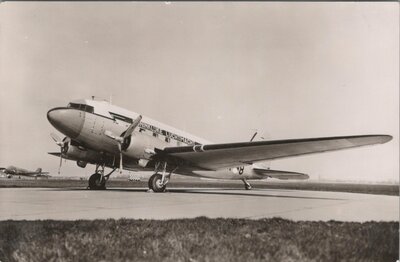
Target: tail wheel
x=96 y=182
x=155 y=183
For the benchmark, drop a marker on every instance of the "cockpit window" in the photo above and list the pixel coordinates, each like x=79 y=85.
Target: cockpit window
x=73 y=105
x=82 y=107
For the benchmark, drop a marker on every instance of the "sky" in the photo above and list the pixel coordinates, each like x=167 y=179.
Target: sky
x=220 y=71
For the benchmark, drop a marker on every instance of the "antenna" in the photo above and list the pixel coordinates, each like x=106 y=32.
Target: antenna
x=253 y=136
x=111 y=99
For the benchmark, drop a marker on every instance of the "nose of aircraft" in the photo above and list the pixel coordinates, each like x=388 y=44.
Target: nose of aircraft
x=67 y=121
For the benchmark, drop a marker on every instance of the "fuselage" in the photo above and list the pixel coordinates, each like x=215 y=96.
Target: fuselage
x=87 y=122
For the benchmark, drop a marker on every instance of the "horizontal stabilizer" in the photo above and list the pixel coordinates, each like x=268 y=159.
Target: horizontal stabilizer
x=283 y=175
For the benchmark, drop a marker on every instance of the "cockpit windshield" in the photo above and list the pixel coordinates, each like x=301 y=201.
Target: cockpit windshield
x=82 y=107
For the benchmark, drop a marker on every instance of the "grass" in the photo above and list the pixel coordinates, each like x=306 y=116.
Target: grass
x=179 y=183
x=199 y=239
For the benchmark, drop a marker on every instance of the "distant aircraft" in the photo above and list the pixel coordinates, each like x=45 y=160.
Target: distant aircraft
x=109 y=136
x=16 y=171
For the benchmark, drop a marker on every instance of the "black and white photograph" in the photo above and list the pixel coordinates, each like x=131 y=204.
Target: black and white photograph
x=199 y=131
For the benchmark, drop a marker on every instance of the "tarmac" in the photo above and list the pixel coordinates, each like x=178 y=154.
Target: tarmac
x=78 y=203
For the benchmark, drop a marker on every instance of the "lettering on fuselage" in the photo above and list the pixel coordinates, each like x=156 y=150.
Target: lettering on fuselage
x=154 y=129
x=159 y=131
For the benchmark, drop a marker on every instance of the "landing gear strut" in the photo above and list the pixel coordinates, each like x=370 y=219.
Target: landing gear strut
x=247 y=185
x=158 y=182
x=98 y=180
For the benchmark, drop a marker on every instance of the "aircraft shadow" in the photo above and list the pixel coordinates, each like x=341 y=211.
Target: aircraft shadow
x=190 y=191
x=201 y=191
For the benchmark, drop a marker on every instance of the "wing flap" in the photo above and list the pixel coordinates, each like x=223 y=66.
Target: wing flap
x=216 y=156
x=282 y=175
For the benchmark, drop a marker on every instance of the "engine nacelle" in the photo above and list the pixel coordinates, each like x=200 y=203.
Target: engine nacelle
x=141 y=146
x=83 y=155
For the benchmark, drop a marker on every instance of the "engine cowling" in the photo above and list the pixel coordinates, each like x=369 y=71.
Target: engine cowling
x=141 y=146
x=82 y=155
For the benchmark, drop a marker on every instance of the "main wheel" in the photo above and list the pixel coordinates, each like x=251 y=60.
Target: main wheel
x=155 y=183
x=96 y=183
x=247 y=187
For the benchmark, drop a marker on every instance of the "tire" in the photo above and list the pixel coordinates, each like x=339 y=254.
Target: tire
x=151 y=181
x=95 y=183
x=154 y=183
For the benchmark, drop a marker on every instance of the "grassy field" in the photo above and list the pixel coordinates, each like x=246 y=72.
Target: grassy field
x=199 y=239
x=179 y=183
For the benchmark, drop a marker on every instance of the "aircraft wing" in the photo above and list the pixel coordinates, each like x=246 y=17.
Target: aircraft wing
x=58 y=154
x=32 y=173
x=217 y=156
x=44 y=174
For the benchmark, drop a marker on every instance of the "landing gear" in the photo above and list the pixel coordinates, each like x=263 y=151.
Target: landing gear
x=98 y=180
x=247 y=185
x=158 y=182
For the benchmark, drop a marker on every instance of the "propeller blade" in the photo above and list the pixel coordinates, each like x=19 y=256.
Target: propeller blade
x=120 y=163
x=132 y=127
x=120 y=158
x=59 y=167
x=56 y=139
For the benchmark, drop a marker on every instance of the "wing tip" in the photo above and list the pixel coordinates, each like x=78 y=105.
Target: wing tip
x=386 y=138
x=382 y=139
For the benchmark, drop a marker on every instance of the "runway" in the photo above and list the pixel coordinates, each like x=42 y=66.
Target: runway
x=77 y=203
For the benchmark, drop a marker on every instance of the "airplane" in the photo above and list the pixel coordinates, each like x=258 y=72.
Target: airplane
x=105 y=135
x=16 y=171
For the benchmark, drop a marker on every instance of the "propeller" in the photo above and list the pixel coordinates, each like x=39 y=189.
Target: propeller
x=120 y=139
x=63 y=144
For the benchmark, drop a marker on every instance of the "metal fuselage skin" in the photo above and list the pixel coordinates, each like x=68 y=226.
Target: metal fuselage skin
x=88 y=127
